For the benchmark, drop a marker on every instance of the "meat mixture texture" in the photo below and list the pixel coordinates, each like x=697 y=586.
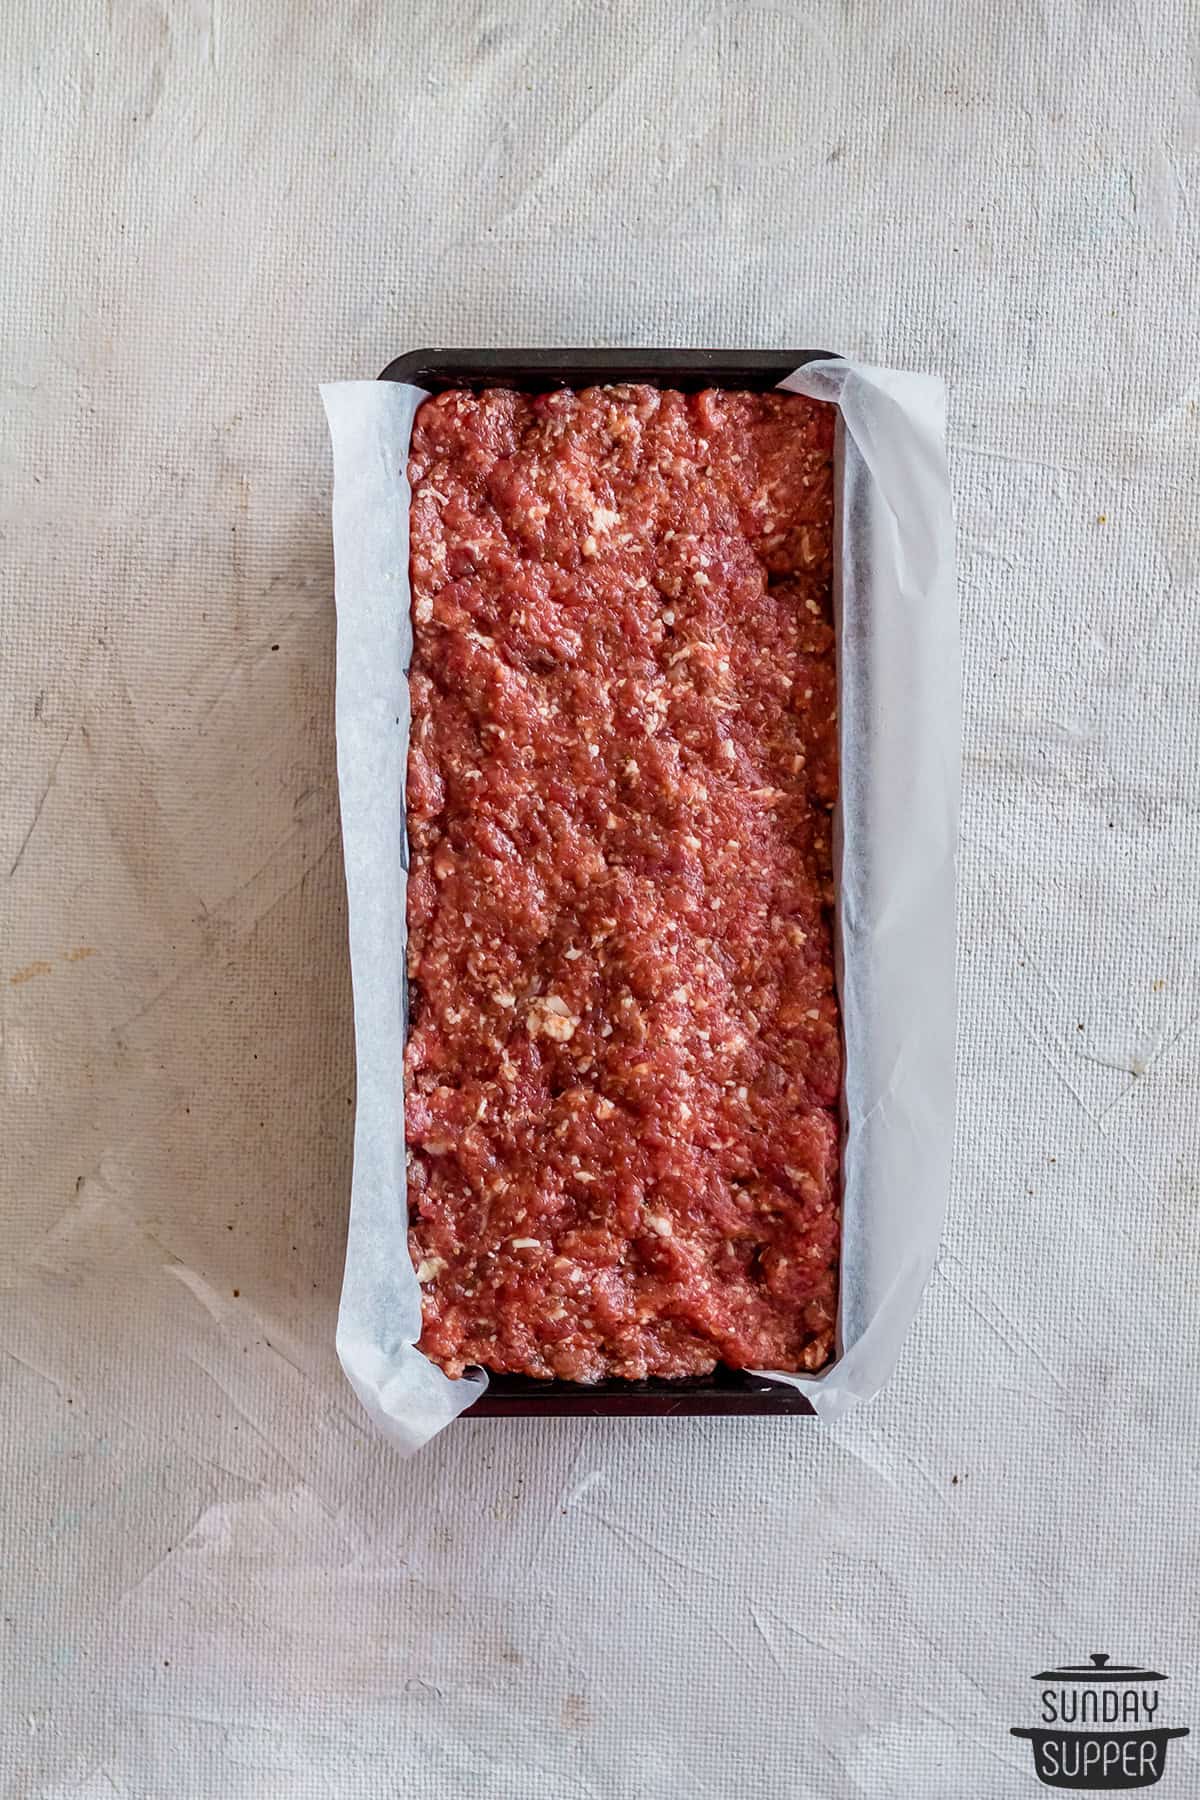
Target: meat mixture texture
x=624 y=1060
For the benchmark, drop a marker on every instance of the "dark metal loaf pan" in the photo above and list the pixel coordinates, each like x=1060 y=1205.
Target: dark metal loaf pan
x=534 y=371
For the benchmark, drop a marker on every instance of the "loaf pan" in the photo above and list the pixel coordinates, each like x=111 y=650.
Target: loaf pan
x=536 y=371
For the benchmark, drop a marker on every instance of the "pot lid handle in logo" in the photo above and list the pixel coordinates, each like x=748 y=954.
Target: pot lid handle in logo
x=1099 y=1669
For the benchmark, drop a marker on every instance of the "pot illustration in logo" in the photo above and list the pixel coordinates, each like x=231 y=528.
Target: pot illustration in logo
x=1100 y=1727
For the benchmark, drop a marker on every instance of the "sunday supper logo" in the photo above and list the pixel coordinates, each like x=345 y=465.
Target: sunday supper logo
x=1100 y=1727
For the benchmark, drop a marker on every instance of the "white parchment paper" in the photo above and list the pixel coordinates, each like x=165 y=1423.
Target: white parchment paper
x=898 y=821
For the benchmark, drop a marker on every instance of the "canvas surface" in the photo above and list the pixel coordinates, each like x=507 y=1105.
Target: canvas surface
x=219 y=1582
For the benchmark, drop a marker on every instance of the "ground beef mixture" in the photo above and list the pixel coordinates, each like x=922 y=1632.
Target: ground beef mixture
x=624 y=1061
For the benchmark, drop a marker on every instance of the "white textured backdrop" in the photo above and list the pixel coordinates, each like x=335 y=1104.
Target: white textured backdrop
x=217 y=1585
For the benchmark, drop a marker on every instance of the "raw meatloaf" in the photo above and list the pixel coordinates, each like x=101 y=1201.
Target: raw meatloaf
x=624 y=1060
